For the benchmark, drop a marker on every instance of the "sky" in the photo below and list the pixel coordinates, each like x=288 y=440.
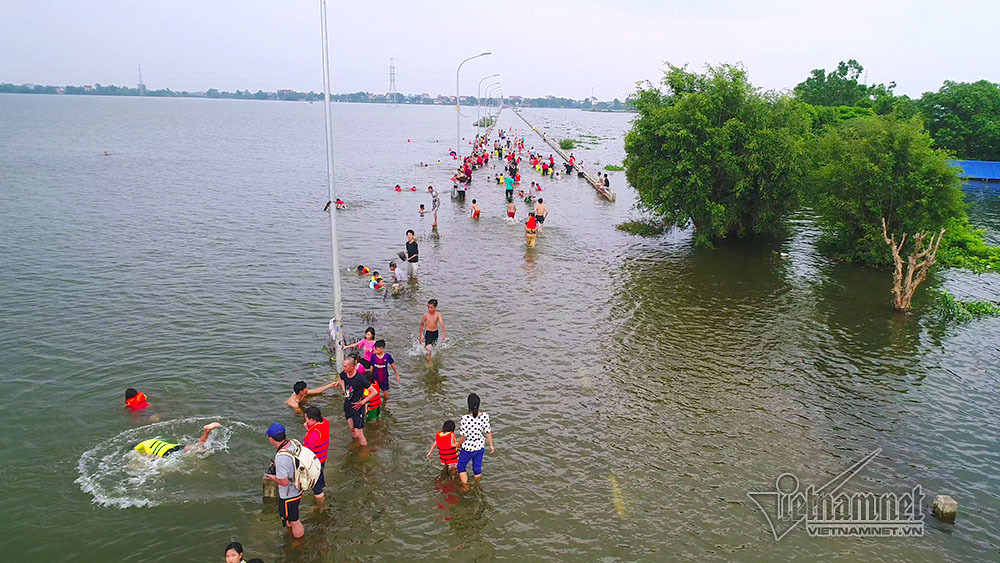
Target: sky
x=567 y=49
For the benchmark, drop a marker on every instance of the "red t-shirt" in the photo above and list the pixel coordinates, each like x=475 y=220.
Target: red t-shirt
x=531 y=224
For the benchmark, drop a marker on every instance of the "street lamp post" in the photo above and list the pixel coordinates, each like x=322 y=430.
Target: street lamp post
x=338 y=323
x=458 y=103
x=485 y=91
x=490 y=92
x=478 y=91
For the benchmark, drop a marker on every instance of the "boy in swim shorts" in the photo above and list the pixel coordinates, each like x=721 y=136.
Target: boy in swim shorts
x=475 y=210
x=428 y=331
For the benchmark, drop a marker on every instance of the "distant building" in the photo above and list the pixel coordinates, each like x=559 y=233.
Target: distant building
x=88 y=88
x=284 y=92
x=27 y=85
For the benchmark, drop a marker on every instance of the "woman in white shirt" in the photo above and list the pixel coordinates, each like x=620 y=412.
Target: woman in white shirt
x=472 y=444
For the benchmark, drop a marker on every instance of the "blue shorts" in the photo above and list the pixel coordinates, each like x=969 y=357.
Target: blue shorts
x=321 y=482
x=476 y=457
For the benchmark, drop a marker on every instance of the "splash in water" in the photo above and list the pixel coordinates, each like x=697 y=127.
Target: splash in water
x=117 y=475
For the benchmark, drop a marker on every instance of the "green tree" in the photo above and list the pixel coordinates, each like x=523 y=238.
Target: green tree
x=965 y=118
x=840 y=87
x=714 y=151
x=837 y=88
x=876 y=167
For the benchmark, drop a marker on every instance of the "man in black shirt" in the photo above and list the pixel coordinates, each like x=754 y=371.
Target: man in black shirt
x=412 y=255
x=355 y=385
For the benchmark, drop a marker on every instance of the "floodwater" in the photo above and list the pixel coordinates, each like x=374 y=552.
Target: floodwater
x=638 y=388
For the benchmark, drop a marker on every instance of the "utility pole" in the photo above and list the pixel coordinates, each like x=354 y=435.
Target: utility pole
x=393 y=94
x=458 y=103
x=142 y=87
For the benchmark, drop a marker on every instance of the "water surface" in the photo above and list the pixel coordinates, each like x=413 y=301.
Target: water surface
x=638 y=388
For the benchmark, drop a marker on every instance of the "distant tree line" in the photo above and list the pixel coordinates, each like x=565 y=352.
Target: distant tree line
x=294 y=96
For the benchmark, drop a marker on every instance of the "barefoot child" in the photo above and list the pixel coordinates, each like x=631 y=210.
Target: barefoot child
x=511 y=211
x=475 y=210
x=381 y=362
x=447 y=447
x=428 y=331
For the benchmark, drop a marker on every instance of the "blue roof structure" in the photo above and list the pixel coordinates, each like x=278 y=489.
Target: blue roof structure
x=978 y=169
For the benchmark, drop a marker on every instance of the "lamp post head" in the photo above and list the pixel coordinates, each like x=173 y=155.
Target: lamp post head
x=486 y=53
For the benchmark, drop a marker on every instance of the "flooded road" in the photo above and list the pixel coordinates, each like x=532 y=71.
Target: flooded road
x=638 y=388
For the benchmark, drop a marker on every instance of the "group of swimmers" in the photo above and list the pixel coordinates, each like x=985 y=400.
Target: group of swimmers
x=365 y=378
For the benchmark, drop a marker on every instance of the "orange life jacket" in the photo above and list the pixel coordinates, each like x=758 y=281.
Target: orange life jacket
x=377 y=401
x=447 y=452
x=318 y=439
x=138 y=402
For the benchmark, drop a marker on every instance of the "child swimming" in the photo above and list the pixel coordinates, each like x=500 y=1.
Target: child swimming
x=135 y=400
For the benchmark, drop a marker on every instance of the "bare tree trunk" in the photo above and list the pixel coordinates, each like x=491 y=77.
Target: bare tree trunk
x=910 y=273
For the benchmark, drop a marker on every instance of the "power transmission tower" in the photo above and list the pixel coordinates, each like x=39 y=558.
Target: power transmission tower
x=393 y=95
x=142 y=87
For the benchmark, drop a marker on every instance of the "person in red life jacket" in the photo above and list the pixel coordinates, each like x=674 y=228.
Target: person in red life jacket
x=531 y=231
x=135 y=400
x=318 y=440
x=363 y=271
x=447 y=447
x=374 y=405
x=398 y=188
x=413 y=188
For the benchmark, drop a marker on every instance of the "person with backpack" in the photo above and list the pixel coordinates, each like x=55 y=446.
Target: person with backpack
x=294 y=466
